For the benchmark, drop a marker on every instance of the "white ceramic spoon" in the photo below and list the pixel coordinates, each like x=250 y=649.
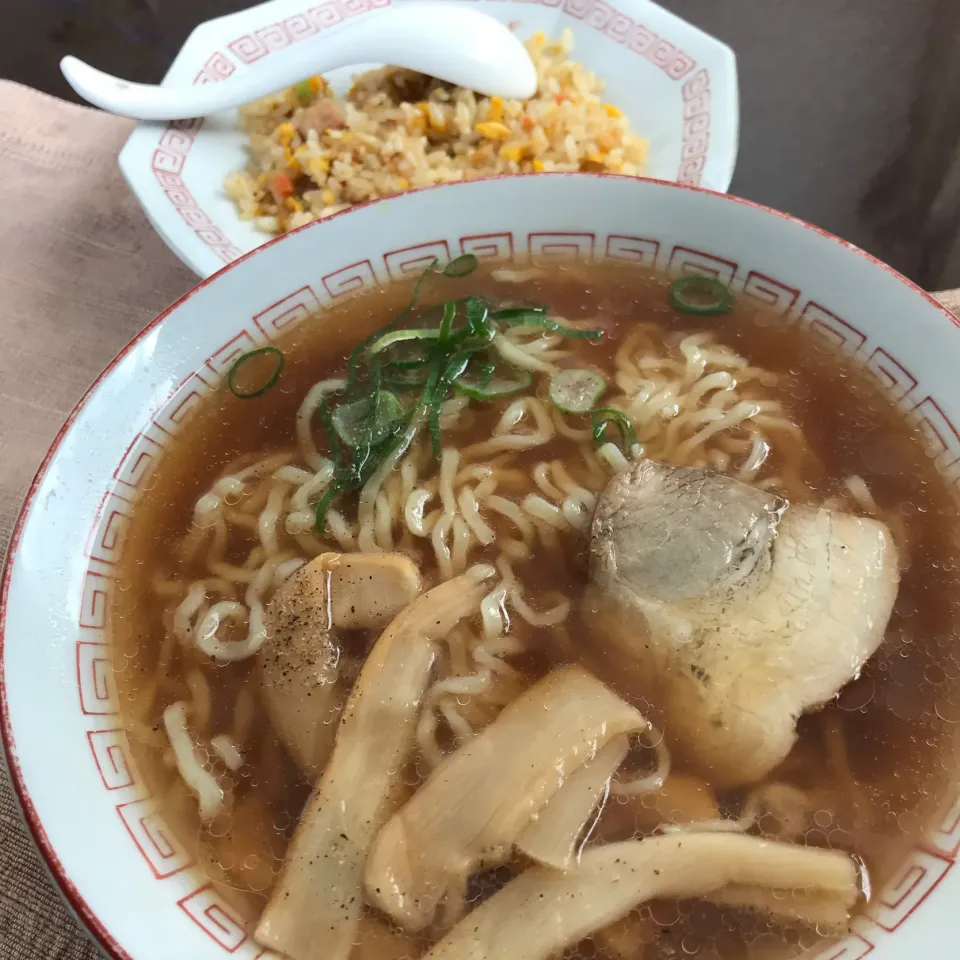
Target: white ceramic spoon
x=453 y=43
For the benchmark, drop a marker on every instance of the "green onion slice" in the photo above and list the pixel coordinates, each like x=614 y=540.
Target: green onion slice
x=402 y=336
x=406 y=378
x=607 y=416
x=446 y=324
x=700 y=296
x=461 y=266
x=488 y=384
x=479 y=321
x=536 y=318
x=576 y=391
x=262 y=367
x=375 y=414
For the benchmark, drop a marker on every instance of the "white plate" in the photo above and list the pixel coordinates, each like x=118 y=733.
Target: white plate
x=96 y=823
x=677 y=85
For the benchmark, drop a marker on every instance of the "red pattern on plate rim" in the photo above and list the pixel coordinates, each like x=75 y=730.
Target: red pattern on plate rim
x=919 y=875
x=175 y=142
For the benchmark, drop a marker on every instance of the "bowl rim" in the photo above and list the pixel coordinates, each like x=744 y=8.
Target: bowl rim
x=69 y=892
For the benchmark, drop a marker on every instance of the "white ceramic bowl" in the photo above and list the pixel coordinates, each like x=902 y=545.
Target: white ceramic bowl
x=677 y=84
x=100 y=831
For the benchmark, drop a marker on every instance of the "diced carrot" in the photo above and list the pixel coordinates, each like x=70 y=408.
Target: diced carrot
x=561 y=98
x=527 y=123
x=282 y=186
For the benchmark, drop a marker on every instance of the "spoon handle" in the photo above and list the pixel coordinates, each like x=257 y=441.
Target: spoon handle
x=451 y=42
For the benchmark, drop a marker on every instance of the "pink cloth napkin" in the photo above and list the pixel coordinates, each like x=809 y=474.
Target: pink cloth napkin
x=81 y=271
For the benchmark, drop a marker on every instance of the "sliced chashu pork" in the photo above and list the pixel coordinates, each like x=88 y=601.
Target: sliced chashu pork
x=304 y=680
x=732 y=611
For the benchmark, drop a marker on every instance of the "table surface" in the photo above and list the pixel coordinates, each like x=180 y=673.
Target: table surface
x=81 y=271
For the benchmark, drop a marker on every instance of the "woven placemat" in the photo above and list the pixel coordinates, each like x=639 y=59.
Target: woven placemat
x=81 y=271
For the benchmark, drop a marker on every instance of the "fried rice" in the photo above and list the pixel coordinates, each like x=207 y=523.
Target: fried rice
x=312 y=155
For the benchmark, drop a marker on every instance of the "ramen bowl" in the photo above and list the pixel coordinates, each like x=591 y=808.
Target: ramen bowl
x=102 y=833
x=676 y=84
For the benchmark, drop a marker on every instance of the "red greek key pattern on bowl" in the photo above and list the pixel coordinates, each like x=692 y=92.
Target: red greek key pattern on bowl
x=208 y=911
x=98 y=691
x=413 y=260
x=218 y=67
x=939 y=435
x=110 y=754
x=895 y=379
x=620 y=28
x=254 y=46
x=109 y=750
x=184 y=401
x=561 y=244
x=696 y=128
x=687 y=261
x=913 y=883
x=107 y=537
x=349 y=279
x=852 y=947
x=221 y=361
x=159 y=847
x=167 y=165
x=138 y=463
x=94 y=599
x=489 y=246
x=841 y=335
x=945 y=838
x=769 y=291
x=290 y=310
x=635 y=249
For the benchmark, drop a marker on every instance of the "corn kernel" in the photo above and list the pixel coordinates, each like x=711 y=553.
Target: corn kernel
x=292 y=203
x=316 y=84
x=539 y=38
x=538 y=166
x=403 y=183
x=319 y=166
x=495 y=112
x=594 y=156
x=492 y=130
x=328 y=197
x=611 y=111
x=511 y=153
x=285 y=133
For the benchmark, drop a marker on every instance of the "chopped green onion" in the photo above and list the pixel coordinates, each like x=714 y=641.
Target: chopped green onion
x=446 y=324
x=486 y=375
x=379 y=412
x=576 y=391
x=402 y=336
x=487 y=386
x=275 y=368
x=478 y=319
x=511 y=313
x=700 y=296
x=406 y=378
x=326 y=420
x=323 y=505
x=304 y=92
x=606 y=416
x=461 y=266
x=536 y=318
x=431 y=401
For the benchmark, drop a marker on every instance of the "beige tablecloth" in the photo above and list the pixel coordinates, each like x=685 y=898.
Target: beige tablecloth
x=80 y=272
